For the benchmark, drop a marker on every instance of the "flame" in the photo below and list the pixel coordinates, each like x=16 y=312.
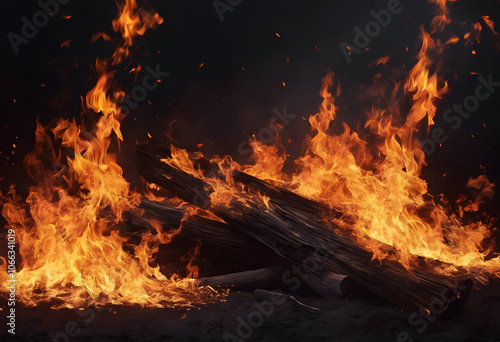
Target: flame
x=490 y=24
x=378 y=184
x=441 y=20
x=474 y=35
x=269 y=159
x=483 y=188
x=71 y=255
x=130 y=23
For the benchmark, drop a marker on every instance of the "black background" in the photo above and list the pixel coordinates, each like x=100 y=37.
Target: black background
x=220 y=104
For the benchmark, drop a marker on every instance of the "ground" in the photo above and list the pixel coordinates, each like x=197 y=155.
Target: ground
x=362 y=318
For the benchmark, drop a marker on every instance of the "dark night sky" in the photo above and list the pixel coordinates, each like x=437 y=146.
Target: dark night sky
x=220 y=104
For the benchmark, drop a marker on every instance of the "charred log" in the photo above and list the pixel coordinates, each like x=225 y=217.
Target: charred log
x=292 y=228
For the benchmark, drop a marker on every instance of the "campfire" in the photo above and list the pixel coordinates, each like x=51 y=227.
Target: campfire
x=351 y=214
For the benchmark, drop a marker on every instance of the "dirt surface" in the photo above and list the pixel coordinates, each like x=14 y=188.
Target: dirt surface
x=240 y=318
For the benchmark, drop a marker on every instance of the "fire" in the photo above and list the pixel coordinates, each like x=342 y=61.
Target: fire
x=71 y=255
x=269 y=160
x=379 y=185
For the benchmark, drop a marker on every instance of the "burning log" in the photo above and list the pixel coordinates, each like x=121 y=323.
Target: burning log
x=195 y=191
x=314 y=246
x=291 y=228
x=227 y=250
x=223 y=248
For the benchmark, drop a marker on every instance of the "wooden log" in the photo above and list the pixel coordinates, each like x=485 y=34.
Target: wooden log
x=292 y=229
x=176 y=182
x=223 y=249
x=331 y=284
x=195 y=191
x=269 y=277
x=227 y=249
x=299 y=239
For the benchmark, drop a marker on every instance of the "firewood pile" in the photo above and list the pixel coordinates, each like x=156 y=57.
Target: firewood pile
x=257 y=236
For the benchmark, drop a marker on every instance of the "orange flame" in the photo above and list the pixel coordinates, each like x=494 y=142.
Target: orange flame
x=378 y=185
x=70 y=253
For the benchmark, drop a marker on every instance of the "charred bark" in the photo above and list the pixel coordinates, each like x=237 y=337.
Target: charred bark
x=292 y=227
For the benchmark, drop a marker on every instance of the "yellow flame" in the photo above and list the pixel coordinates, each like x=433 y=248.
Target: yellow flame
x=377 y=184
x=71 y=255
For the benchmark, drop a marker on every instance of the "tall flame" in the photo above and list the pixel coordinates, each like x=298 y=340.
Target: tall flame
x=70 y=253
x=377 y=183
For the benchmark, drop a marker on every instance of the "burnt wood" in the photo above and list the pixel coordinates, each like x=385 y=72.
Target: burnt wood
x=293 y=228
x=225 y=249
